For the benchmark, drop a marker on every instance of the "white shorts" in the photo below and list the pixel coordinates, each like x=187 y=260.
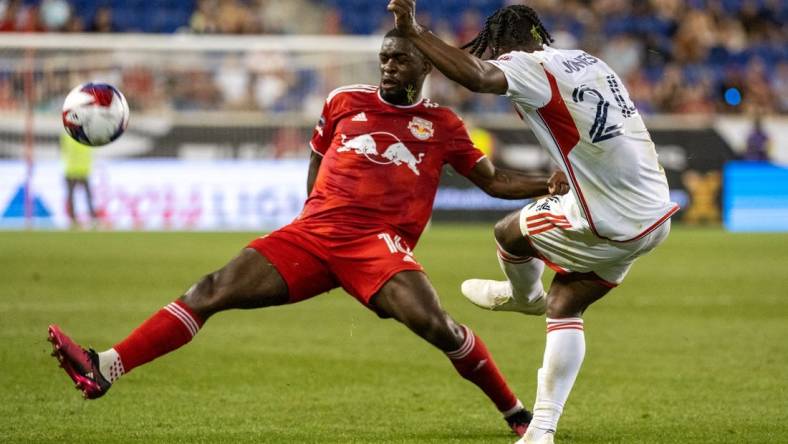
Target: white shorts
x=559 y=232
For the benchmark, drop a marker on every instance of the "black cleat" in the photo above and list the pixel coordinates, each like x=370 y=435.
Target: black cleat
x=518 y=421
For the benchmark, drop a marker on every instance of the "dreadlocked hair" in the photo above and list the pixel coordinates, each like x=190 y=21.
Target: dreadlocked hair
x=515 y=24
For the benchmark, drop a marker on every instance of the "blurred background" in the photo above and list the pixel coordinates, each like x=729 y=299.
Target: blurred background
x=224 y=96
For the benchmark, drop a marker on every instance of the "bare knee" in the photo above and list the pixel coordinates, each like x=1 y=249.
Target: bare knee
x=560 y=307
x=206 y=296
x=409 y=298
x=510 y=237
x=439 y=330
x=571 y=294
x=501 y=232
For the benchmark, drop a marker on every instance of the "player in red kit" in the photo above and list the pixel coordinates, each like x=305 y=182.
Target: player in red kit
x=377 y=154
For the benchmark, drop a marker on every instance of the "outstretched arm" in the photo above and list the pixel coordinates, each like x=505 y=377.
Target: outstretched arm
x=458 y=65
x=314 y=166
x=507 y=184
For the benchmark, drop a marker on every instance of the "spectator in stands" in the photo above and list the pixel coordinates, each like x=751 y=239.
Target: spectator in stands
x=757 y=93
x=641 y=92
x=731 y=37
x=53 y=85
x=272 y=81
x=669 y=91
x=203 y=19
x=695 y=99
x=297 y=17
x=287 y=142
x=470 y=23
x=623 y=54
x=695 y=37
x=232 y=78
x=194 y=90
x=9 y=13
x=226 y=17
x=7 y=97
x=332 y=23
x=55 y=14
x=75 y=24
x=779 y=85
x=757 y=142
x=140 y=87
x=232 y=17
x=102 y=21
x=29 y=19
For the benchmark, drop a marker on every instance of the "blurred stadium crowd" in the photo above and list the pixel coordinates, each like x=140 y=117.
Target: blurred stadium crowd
x=676 y=56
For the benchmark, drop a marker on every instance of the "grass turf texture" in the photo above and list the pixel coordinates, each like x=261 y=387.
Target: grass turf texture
x=691 y=349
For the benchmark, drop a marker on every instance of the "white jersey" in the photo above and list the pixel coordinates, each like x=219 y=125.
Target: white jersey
x=581 y=113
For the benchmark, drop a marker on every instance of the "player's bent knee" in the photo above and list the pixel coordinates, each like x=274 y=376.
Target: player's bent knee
x=205 y=297
x=500 y=231
x=508 y=234
x=441 y=331
x=562 y=307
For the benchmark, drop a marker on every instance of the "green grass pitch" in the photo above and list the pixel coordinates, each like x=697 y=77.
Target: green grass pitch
x=691 y=348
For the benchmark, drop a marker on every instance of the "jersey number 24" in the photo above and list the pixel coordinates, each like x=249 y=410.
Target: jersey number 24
x=600 y=130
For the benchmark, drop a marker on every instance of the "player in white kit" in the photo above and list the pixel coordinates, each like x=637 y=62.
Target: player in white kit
x=619 y=207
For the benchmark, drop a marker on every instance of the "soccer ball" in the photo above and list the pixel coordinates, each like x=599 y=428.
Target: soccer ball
x=95 y=113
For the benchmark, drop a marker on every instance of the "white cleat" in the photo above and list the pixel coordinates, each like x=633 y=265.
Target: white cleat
x=547 y=438
x=497 y=296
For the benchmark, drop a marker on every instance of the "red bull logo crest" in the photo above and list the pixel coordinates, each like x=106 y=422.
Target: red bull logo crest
x=396 y=152
x=421 y=128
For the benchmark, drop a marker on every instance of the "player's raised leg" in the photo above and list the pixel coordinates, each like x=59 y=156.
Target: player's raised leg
x=523 y=291
x=247 y=281
x=411 y=299
x=569 y=296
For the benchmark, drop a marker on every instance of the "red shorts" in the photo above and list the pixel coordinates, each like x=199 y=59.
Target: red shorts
x=313 y=260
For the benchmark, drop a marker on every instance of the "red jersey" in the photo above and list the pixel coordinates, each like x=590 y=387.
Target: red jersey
x=382 y=162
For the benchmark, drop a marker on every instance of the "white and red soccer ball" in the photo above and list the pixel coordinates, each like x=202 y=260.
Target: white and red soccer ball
x=95 y=113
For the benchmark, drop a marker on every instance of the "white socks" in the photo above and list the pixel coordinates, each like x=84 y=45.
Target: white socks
x=525 y=275
x=110 y=365
x=563 y=355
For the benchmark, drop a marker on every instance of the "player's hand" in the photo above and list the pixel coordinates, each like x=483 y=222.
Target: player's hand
x=557 y=184
x=404 y=16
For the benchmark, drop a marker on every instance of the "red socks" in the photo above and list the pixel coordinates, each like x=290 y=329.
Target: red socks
x=474 y=363
x=176 y=324
x=168 y=329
